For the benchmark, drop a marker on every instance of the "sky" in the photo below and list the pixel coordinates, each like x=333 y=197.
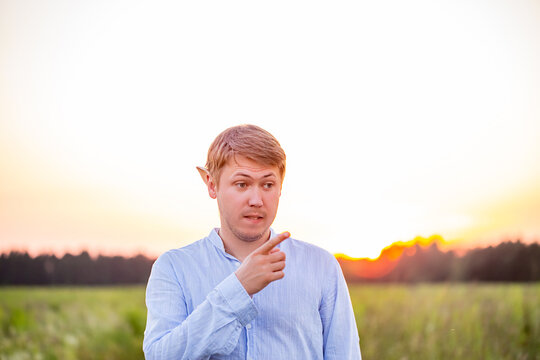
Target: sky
x=399 y=119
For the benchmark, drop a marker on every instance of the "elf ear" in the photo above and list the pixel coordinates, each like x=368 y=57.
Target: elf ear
x=205 y=175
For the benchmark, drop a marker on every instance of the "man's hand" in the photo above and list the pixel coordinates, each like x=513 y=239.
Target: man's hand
x=263 y=265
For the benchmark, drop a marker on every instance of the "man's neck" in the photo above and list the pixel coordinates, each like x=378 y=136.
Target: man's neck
x=240 y=249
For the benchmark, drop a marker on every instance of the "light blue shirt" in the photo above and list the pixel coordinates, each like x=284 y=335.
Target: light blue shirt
x=197 y=308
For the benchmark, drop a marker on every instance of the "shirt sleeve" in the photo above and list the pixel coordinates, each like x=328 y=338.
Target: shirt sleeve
x=213 y=328
x=340 y=334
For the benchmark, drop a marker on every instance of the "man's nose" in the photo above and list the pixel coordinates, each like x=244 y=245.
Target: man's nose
x=255 y=198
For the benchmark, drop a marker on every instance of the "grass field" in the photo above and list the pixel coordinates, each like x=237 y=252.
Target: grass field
x=445 y=321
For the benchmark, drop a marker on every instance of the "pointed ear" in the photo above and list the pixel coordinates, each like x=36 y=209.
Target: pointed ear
x=208 y=181
x=205 y=175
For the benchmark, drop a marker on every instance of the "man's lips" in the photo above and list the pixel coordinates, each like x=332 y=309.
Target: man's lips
x=254 y=217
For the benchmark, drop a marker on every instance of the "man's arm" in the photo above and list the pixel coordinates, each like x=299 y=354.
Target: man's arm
x=340 y=334
x=214 y=327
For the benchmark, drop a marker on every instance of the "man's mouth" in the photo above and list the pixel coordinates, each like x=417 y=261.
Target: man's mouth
x=253 y=217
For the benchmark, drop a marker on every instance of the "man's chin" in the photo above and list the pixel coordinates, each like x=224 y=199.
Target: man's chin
x=250 y=236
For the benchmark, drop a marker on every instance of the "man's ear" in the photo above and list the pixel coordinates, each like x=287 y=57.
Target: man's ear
x=208 y=181
x=205 y=175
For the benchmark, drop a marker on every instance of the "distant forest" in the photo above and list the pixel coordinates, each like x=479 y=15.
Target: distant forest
x=507 y=262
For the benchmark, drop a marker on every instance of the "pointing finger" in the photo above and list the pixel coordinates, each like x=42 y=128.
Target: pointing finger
x=270 y=244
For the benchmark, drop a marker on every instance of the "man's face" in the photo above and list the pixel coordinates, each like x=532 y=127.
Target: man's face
x=248 y=197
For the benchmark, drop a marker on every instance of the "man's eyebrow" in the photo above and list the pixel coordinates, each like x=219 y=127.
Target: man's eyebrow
x=241 y=174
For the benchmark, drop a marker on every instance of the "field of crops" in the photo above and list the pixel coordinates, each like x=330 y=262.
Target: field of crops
x=445 y=321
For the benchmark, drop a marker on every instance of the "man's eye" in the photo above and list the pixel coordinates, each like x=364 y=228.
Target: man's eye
x=268 y=185
x=241 y=185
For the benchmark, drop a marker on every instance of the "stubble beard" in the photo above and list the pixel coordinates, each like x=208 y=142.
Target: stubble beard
x=243 y=236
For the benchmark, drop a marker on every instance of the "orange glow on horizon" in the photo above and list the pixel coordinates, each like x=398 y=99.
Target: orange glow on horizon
x=388 y=258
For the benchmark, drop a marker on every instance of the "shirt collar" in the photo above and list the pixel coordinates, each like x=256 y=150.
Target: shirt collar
x=216 y=240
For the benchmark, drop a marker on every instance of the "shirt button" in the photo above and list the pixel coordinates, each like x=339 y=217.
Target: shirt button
x=248 y=326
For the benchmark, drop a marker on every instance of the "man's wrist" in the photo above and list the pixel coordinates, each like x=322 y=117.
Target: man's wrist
x=239 y=300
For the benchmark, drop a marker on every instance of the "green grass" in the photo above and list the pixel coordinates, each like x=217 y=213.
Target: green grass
x=446 y=321
x=72 y=323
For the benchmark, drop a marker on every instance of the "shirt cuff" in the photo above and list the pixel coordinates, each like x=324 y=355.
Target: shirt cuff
x=238 y=299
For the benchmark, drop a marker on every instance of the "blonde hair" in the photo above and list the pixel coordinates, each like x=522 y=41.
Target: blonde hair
x=250 y=141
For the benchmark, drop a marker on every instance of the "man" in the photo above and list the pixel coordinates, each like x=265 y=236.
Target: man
x=245 y=292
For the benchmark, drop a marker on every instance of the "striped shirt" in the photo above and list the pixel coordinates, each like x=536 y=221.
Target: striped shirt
x=197 y=308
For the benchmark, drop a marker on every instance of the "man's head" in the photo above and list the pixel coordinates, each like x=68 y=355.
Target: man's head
x=245 y=169
x=249 y=141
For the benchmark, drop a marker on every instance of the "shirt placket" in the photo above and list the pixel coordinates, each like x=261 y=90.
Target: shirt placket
x=250 y=337
x=250 y=350
x=248 y=328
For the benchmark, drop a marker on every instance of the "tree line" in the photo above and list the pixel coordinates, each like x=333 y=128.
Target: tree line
x=18 y=268
x=508 y=261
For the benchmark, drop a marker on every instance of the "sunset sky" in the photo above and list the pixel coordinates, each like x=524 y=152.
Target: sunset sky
x=399 y=119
